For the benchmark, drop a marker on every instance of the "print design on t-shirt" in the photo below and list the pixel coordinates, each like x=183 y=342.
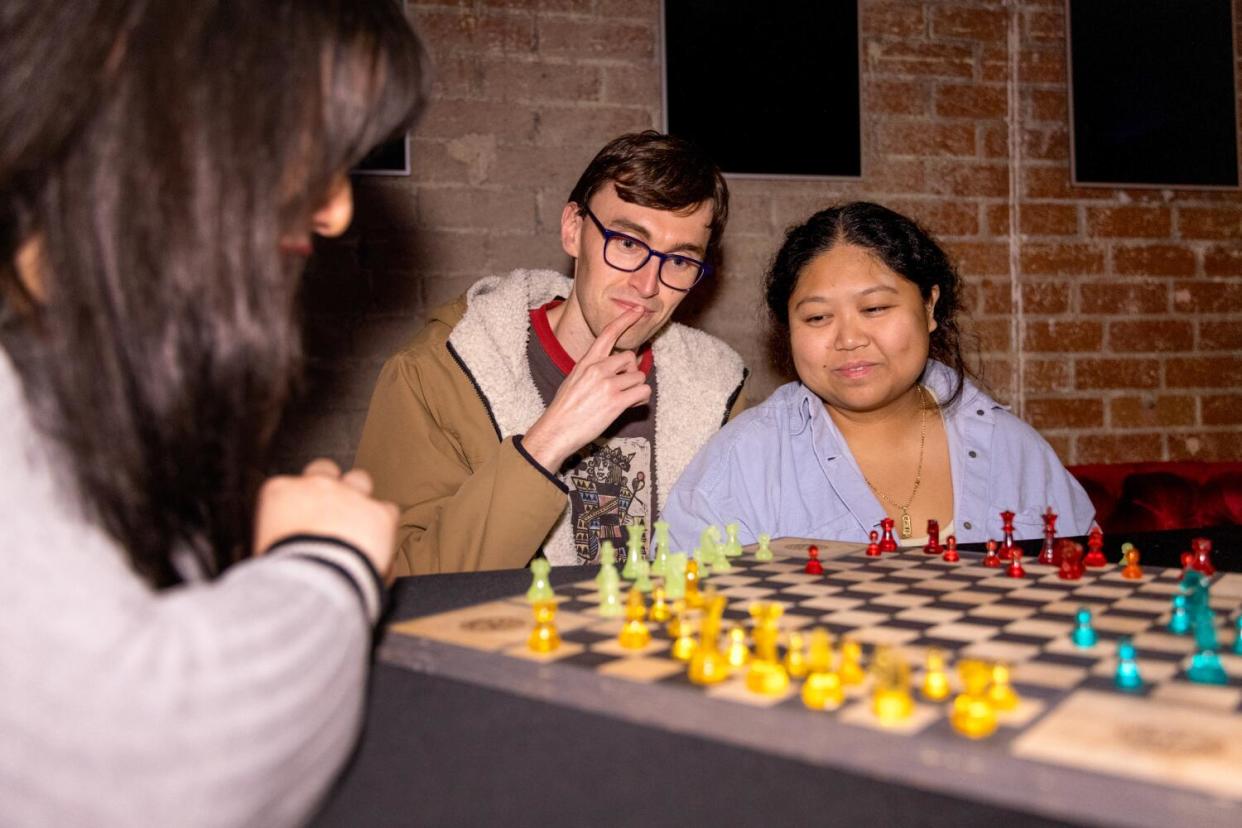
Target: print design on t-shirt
x=607 y=492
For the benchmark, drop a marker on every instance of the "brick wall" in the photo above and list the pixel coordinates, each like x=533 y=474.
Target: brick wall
x=1110 y=319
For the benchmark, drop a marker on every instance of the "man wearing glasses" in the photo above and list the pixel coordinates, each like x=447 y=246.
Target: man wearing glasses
x=539 y=413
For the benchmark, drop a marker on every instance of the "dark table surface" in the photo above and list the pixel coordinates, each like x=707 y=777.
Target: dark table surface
x=436 y=751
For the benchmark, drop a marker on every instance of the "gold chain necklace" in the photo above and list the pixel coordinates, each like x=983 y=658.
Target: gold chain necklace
x=907 y=528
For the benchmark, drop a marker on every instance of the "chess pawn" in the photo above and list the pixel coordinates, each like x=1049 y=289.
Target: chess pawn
x=950 y=550
x=659 y=605
x=675 y=577
x=659 y=565
x=851 y=662
x=822 y=687
x=1095 y=548
x=873 y=548
x=1084 y=634
x=795 y=656
x=610 y=598
x=935 y=678
x=738 y=653
x=1015 y=568
x=933 y=538
x=1127 y=677
x=682 y=632
x=1001 y=693
x=608 y=563
x=1179 y=620
x=991 y=559
x=890 y=698
x=764 y=552
x=1130 y=557
x=813 y=566
x=732 y=547
x=973 y=715
x=634 y=634
x=694 y=599
x=544 y=638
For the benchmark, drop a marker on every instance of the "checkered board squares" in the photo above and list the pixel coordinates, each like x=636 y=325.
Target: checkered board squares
x=913 y=603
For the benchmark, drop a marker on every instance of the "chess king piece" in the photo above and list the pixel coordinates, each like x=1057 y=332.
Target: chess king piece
x=738 y=653
x=1047 y=552
x=991 y=559
x=795 y=655
x=873 y=548
x=1001 y=692
x=767 y=676
x=890 y=697
x=933 y=538
x=634 y=633
x=887 y=542
x=1007 y=544
x=813 y=566
x=973 y=714
x=1095 y=548
x=764 y=552
x=709 y=665
x=1084 y=634
x=935 y=678
x=1127 y=677
x=544 y=638
x=822 y=687
x=950 y=550
x=1130 y=557
x=540 y=588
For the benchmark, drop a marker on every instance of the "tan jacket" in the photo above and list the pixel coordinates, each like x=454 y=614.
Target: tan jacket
x=442 y=438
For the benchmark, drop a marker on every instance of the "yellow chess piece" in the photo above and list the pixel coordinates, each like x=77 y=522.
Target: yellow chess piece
x=1001 y=693
x=634 y=633
x=973 y=714
x=709 y=665
x=682 y=632
x=694 y=598
x=795 y=656
x=822 y=687
x=659 y=606
x=890 y=697
x=544 y=638
x=935 y=678
x=851 y=662
x=767 y=675
x=738 y=653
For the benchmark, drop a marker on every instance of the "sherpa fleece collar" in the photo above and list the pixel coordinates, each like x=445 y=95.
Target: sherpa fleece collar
x=698 y=378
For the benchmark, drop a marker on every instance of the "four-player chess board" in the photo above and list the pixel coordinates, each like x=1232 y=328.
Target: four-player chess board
x=1173 y=750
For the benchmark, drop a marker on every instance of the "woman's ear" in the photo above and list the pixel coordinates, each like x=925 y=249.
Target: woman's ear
x=932 y=298
x=32 y=268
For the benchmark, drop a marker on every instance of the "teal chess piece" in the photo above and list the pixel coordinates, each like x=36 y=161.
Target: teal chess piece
x=1237 y=635
x=1127 y=678
x=1179 y=621
x=642 y=582
x=1084 y=634
x=675 y=577
x=607 y=561
x=659 y=566
x=732 y=547
x=540 y=587
x=764 y=552
x=1205 y=666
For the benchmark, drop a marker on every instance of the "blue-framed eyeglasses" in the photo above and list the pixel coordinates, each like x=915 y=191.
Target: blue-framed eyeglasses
x=627 y=253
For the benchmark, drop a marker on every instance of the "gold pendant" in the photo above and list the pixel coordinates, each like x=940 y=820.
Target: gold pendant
x=907 y=528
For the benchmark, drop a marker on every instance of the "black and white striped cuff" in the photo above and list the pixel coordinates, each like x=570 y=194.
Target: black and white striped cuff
x=343 y=558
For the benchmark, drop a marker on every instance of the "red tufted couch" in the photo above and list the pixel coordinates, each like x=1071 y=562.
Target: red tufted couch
x=1141 y=497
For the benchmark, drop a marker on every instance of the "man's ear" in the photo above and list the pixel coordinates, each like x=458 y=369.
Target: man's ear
x=931 y=308
x=571 y=229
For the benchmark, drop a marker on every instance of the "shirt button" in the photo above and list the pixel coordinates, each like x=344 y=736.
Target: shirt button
x=966 y=524
x=972 y=453
x=979 y=411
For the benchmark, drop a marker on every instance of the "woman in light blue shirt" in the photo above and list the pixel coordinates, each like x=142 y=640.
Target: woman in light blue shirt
x=883 y=421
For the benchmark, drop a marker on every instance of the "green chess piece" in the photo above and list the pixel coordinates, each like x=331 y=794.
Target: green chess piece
x=1179 y=621
x=675 y=577
x=633 y=551
x=610 y=599
x=540 y=588
x=1237 y=635
x=1084 y=634
x=732 y=548
x=608 y=562
x=642 y=582
x=720 y=563
x=1127 y=678
x=704 y=562
x=659 y=566
x=764 y=552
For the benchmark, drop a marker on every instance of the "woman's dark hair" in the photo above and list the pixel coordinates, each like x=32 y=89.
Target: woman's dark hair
x=664 y=172
x=154 y=154
x=903 y=246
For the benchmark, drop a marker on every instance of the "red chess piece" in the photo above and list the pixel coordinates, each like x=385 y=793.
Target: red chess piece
x=933 y=538
x=950 y=550
x=1047 y=553
x=813 y=566
x=1071 y=560
x=991 y=558
x=1201 y=556
x=1186 y=560
x=1095 y=548
x=887 y=542
x=873 y=548
x=1007 y=544
x=1015 y=569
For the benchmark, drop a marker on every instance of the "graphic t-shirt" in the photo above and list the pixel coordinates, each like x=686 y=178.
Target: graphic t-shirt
x=611 y=480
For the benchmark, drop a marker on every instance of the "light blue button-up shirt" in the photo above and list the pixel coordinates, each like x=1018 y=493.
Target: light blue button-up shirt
x=783 y=468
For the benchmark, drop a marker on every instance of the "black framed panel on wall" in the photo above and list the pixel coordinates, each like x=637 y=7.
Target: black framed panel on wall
x=1153 y=93
x=768 y=89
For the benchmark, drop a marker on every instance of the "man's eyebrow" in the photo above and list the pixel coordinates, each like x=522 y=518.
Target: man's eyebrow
x=636 y=229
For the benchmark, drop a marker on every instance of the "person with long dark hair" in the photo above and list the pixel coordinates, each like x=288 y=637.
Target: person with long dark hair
x=883 y=421
x=181 y=642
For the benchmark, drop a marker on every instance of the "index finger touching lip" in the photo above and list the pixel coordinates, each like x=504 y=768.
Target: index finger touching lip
x=608 y=337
